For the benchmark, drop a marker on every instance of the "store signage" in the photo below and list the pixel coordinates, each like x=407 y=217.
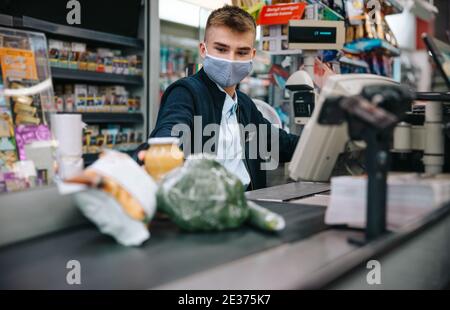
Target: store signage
x=281 y=14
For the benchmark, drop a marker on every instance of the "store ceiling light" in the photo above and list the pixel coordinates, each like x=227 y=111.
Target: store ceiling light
x=209 y=4
x=188 y=12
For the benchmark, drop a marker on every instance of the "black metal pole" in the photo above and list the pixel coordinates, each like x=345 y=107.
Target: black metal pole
x=377 y=158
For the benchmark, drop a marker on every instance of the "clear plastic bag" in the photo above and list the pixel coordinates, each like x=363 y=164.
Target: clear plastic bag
x=203 y=196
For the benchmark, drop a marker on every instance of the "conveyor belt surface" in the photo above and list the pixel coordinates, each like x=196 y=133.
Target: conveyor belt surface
x=169 y=254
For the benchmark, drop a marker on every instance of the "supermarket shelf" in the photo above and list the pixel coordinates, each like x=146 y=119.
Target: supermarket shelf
x=89 y=159
x=99 y=77
x=354 y=62
x=6 y=20
x=111 y=118
x=336 y=14
x=75 y=32
x=368 y=45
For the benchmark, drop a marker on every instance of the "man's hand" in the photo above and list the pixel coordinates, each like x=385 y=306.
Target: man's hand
x=141 y=155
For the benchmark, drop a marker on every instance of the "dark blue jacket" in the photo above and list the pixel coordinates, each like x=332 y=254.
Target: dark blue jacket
x=198 y=95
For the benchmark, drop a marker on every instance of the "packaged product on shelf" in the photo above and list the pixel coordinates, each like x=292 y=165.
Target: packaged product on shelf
x=91 y=103
x=139 y=70
x=117 y=66
x=91 y=61
x=125 y=66
x=120 y=102
x=68 y=98
x=26 y=134
x=90 y=131
x=58 y=98
x=132 y=61
x=8 y=152
x=26 y=109
x=78 y=49
x=107 y=136
x=100 y=63
x=106 y=59
x=59 y=103
x=92 y=147
x=80 y=97
x=55 y=48
x=137 y=104
x=135 y=65
x=98 y=102
x=110 y=135
x=83 y=61
x=107 y=98
x=65 y=55
x=124 y=139
x=131 y=104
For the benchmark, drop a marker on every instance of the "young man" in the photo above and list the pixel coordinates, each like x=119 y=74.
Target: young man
x=210 y=98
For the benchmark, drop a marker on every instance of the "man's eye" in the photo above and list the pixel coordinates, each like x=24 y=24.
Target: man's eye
x=242 y=53
x=221 y=50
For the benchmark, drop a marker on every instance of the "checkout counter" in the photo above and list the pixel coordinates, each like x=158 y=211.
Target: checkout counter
x=41 y=231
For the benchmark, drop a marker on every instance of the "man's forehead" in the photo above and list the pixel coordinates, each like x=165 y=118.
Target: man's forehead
x=229 y=37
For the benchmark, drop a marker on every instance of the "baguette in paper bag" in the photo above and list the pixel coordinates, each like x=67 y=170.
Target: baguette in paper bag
x=121 y=198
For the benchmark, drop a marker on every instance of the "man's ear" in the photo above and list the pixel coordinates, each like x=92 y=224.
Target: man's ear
x=202 y=49
x=253 y=53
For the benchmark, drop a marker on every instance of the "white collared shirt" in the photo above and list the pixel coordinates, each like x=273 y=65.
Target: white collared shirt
x=229 y=151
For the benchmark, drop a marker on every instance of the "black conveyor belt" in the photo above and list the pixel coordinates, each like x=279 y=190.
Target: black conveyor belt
x=167 y=256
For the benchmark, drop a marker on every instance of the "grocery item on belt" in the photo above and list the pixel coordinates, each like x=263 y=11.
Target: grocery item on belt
x=204 y=196
x=163 y=156
x=121 y=197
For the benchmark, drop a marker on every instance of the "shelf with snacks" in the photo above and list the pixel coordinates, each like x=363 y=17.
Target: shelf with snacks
x=97 y=77
x=101 y=104
x=369 y=45
x=53 y=29
x=96 y=138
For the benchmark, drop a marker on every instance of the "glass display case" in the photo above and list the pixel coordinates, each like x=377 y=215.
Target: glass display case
x=26 y=102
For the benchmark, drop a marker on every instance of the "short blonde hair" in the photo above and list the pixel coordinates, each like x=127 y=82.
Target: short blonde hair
x=232 y=17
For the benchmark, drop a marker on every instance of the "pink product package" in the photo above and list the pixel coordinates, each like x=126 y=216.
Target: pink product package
x=26 y=134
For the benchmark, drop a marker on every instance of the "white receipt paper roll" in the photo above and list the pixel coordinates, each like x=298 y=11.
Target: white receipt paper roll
x=67 y=129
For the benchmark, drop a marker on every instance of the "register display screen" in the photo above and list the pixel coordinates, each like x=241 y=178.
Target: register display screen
x=443 y=58
x=312 y=35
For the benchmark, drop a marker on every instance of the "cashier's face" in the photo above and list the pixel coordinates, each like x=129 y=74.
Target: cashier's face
x=222 y=42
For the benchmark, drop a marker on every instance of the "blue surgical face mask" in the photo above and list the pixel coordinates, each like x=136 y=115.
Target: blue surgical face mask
x=226 y=72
